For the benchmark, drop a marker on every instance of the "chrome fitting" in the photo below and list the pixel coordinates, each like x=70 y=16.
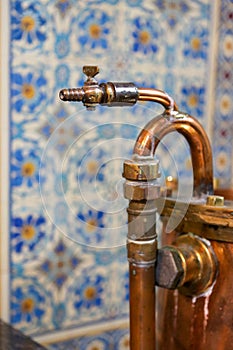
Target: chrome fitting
x=92 y=93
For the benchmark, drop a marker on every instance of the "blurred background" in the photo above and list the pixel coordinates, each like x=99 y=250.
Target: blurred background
x=64 y=272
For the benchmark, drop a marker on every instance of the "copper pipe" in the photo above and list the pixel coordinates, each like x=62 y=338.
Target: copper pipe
x=159 y=96
x=201 y=153
x=117 y=94
x=142 y=307
x=142 y=191
x=227 y=193
x=142 y=257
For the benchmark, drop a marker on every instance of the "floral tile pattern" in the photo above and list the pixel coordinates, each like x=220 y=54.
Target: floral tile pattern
x=67 y=218
x=223 y=126
x=115 y=339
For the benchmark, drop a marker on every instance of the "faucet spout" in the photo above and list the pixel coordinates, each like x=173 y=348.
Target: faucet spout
x=114 y=93
x=200 y=148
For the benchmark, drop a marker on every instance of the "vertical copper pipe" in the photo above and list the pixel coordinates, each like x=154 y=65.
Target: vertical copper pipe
x=142 y=307
x=142 y=189
x=142 y=257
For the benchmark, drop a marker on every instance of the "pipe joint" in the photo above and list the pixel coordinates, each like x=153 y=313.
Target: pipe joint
x=141 y=189
x=142 y=253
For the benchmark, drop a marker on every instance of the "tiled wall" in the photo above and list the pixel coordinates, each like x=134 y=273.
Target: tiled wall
x=65 y=237
x=223 y=114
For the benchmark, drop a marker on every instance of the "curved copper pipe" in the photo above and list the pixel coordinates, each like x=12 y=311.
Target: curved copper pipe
x=159 y=96
x=201 y=154
x=114 y=94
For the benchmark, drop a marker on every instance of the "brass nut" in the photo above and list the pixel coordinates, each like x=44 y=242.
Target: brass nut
x=143 y=170
x=215 y=201
x=141 y=190
x=169 y=268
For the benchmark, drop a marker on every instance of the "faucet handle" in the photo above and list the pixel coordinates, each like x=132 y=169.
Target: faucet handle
x=90 y=72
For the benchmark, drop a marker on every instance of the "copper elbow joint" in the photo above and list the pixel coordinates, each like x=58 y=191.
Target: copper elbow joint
x=200 y=148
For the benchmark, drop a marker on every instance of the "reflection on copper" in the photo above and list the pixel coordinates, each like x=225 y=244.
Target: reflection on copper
x=158 y=96
x=191 y=129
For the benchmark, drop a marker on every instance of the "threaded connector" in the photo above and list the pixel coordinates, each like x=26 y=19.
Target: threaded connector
x=73 y=94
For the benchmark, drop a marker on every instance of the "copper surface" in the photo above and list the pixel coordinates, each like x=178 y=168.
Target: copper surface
x=211 y=222
x=227 y=193
x=142 y=256
x=142 y=307
x=191 y=129
x=191 y=323
x=158 y=96
x=203 y=322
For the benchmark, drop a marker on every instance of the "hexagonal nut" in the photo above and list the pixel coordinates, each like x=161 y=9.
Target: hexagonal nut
x=141 y=170
x=169 y=268
x=138 y=191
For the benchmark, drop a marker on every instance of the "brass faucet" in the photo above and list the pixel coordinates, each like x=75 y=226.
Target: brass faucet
x=189 y=264
x=113 y=94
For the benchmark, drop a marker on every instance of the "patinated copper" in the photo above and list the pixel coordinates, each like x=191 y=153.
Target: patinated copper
x=203 y=322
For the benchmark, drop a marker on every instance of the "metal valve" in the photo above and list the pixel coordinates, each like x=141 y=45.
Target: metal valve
x=92 y=93
x=190 y=265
